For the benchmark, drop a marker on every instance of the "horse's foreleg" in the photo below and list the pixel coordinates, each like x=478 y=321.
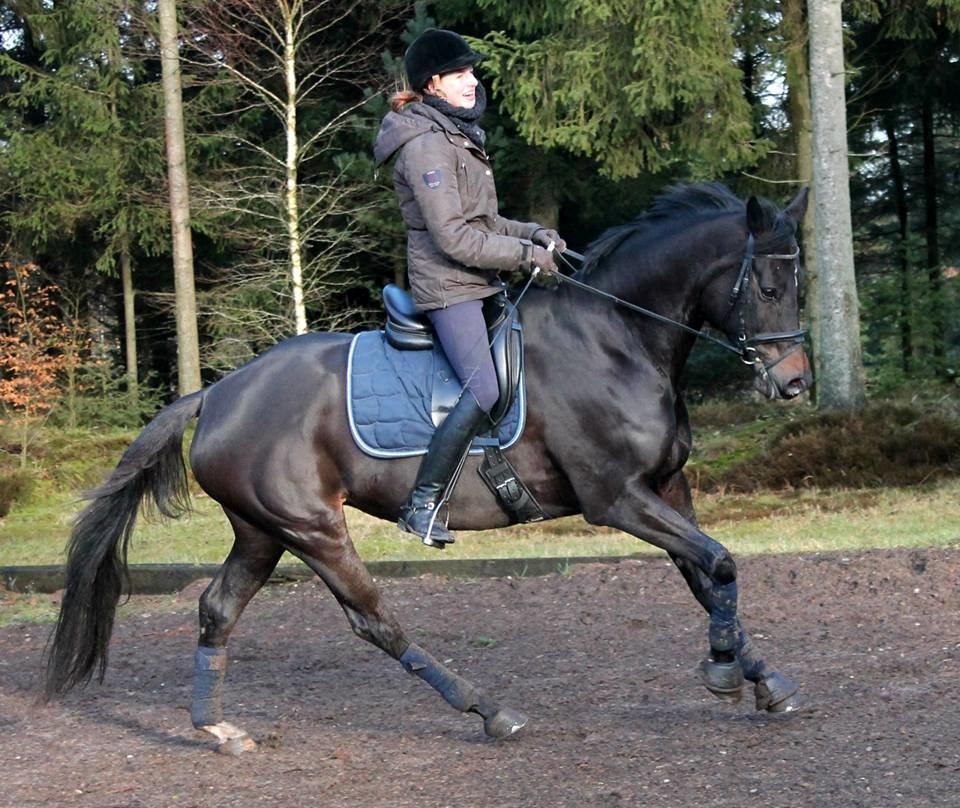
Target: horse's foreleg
x=773 y=691
x=336 y=561
x=641 y=512
x=251 y=561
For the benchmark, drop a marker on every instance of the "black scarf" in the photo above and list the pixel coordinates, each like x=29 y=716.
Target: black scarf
x=464 y=119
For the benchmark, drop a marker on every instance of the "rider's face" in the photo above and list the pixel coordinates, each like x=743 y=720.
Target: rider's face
x=457 y=87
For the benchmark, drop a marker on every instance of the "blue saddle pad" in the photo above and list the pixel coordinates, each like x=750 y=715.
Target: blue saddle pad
x=389 y=397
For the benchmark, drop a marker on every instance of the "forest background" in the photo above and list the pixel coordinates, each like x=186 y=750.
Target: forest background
x=596 y=106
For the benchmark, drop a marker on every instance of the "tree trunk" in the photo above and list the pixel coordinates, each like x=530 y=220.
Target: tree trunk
x=841 y=384
x=930 y=232
x=904 y=312
x=126 y=271
x=801 y=122
x=188 y=340
x=292 y=202
x=129 y=317
x=748 y=71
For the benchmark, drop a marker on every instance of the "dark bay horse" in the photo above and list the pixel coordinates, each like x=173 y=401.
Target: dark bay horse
x=607 y=436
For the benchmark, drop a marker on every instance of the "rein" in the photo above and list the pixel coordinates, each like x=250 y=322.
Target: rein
x=745 y=345
x=639 y=309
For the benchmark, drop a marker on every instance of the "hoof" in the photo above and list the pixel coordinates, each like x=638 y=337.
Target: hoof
x=777 y=693
x=504 y=723
x=231 y=740
x=723 y=679
x=237 y=746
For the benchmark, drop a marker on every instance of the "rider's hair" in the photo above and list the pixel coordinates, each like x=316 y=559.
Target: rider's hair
x=400 y=99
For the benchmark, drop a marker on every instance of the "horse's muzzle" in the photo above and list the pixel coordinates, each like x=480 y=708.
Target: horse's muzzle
x=783 y=372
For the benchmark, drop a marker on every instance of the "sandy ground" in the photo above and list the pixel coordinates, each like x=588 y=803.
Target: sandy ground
x=601 y=659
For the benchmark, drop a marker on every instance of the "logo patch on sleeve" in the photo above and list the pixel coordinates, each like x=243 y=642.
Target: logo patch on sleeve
x=432 y=178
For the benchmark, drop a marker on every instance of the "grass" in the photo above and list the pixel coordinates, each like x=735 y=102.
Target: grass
x=821 y=521
x=752 y=464
x=786 y=522
x=771 y=479
x=769 y=522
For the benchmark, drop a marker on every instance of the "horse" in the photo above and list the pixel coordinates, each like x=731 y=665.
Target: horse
x=607 y=435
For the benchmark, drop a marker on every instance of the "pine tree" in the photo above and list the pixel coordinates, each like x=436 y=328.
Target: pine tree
x=639 y=87
x=82 y=152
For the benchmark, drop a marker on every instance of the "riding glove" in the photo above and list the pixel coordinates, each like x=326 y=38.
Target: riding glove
x=543 y=260
x=544 y=235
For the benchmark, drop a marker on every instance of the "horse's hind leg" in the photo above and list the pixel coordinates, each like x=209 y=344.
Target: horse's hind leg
x=332 y=556
x=252 y=559
x=773 y=691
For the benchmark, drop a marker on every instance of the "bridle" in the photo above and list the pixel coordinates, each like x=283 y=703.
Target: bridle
x=743 y=346
x=747 y=345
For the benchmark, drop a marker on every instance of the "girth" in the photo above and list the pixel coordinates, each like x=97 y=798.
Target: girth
x=408 y=329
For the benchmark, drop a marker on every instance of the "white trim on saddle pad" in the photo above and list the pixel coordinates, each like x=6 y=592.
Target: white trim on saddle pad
x=375 y=451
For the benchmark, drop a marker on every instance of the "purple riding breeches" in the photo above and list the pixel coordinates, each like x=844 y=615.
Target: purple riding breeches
x=462 y=331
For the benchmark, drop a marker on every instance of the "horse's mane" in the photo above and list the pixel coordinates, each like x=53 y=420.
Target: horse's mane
x=678 y=207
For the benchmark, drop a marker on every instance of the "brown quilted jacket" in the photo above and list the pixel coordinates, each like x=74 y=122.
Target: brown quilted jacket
x=456 y=241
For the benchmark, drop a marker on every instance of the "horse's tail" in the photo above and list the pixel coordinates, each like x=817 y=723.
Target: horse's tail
x=151 y=467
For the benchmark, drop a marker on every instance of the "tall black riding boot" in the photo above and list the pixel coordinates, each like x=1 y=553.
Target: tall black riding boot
x=447 y=447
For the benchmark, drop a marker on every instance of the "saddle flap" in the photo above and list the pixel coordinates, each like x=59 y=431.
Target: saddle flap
x=507 y=352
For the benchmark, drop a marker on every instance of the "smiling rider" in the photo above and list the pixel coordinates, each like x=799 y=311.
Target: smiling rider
x=457 y=243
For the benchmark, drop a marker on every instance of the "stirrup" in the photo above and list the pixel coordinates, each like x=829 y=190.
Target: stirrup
x=431 y=534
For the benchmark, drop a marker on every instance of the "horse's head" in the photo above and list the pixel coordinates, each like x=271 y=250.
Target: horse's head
x=763 y=315
x=746 y=283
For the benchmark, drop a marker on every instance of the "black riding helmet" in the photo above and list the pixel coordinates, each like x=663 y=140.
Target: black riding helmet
x=435 y=52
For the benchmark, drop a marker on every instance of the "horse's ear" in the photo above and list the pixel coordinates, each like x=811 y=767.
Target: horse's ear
x=756 y=221
x=796 y=209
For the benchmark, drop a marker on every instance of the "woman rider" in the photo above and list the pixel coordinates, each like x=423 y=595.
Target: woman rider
x=456 y=244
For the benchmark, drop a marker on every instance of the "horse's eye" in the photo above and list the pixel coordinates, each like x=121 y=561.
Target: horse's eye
x=768 y=292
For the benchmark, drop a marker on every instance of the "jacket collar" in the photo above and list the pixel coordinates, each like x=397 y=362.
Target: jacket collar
x=441 y=120
x=415 y=119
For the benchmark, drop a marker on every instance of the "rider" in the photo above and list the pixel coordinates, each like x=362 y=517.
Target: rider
x=456 y=243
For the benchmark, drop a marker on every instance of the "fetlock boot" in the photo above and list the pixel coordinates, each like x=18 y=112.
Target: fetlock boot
x=447 y=447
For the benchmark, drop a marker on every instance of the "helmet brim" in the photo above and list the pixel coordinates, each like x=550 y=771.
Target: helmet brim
x=467 y=60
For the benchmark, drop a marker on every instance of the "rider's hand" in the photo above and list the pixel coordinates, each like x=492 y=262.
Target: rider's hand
x=543 y=260
x=544 y=235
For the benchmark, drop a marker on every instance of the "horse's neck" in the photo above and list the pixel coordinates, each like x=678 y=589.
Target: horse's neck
x=673 y=273
x=668 y=279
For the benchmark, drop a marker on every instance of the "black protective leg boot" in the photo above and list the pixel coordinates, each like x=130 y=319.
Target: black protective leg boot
x=447 y=447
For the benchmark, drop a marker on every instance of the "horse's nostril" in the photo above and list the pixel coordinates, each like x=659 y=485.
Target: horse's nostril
x=795 y=388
